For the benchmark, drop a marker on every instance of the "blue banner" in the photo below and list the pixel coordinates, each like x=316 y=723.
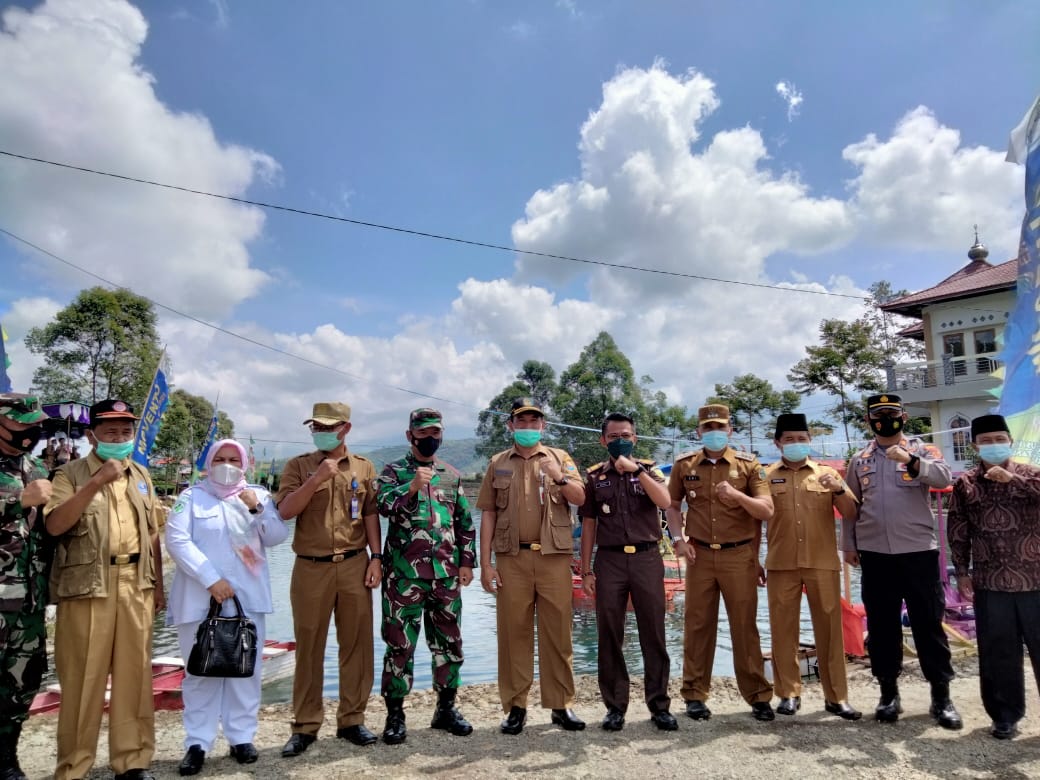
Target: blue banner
x=211 y=436
x=1020 y=395
x=158 y=400
x=5 y=381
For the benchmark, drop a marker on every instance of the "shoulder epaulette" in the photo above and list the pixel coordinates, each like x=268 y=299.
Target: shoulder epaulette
x=360 y=457
x=646 y=461
x=686 y=455
x=774 y=466
x=741 y=455
x=597 y=467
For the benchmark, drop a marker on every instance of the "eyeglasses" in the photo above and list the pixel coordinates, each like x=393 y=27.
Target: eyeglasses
x=318 y=428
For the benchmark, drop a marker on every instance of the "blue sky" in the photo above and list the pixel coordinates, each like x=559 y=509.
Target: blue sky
x=637 y=133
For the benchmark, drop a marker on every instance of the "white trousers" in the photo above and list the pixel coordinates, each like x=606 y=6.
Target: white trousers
x=232 y=703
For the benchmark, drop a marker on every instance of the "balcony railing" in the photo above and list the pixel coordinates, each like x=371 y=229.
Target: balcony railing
x=937 y=373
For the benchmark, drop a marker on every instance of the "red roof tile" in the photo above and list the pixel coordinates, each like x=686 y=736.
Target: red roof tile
x=976 y=278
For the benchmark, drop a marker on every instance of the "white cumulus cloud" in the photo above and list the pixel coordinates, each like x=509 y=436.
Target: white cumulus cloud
x=792 y=96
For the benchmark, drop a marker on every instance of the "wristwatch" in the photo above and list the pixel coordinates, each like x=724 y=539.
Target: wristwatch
x=376 y=556
x=561 y=482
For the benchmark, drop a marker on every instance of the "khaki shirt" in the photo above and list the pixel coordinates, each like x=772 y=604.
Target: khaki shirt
x=328 y=525
x=123 y=538
x=694 y=478
x=802 y=534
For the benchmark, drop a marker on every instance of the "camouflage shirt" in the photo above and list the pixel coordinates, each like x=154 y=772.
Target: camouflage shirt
x=24 y=551
x=431 y=534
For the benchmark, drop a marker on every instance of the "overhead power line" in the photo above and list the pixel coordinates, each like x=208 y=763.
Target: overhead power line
x=420 y=233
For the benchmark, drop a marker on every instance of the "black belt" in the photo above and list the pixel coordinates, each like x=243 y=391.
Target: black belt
x=121 y=560
x=628 y=548
x=332 y=558
x=530 y=545
x=722 y=546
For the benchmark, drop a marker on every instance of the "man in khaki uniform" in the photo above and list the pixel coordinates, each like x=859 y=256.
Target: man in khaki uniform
x=526 y=518
x=803 y=552
x=107 y=580
x=727 y=498
x=332 y=494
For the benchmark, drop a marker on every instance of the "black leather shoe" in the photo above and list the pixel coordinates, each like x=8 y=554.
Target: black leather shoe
x=842 y=709
x=697 y=710
x=297 y=744
x=761 y=710
x=614 y=720
x=135 y=774
x=358 y=735
x=664 y=720
x=946 y=715
x=192 y=762
x=567 y=720
x=244 y=753
x=514 y=722
x=789 y=705
x=888 y=710
x=1004 y=730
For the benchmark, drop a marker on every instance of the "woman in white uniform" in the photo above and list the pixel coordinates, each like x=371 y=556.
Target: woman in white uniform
x=216 y=533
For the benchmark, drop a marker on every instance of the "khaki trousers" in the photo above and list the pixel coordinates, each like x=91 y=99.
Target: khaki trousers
x=93 y=638
x=317 y=592
x=733 y=573
x=785 y=603
x=532 y=582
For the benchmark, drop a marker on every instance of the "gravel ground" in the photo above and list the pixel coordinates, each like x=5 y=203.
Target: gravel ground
x=811 y=744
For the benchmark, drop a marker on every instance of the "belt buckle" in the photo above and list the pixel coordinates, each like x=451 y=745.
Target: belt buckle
x=536 y=546
x=629 y=548
x=338 y=557
x=121 y=559
x=715 y=546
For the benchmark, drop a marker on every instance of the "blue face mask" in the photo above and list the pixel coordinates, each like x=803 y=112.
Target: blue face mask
x=326 y=441
x=119 y=451
x=995 y=454
x=715 y=440
x=526 y=437
x=796 y=452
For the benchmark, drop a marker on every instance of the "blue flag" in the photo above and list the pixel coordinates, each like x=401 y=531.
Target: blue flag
x=158 y=400
x=211 y=436
x=5 y=380
x=1020 y=394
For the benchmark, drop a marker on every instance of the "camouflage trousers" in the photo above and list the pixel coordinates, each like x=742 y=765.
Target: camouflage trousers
x=23 y=660
x=439 y=604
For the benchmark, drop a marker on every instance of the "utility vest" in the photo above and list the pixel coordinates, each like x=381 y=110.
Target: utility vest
x=556 y=535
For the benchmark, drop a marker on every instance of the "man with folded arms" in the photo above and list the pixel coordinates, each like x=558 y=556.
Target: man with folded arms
x=727 y=498
x=994 y=533
x=332 y=494
x=525 y=503
x=803 y=553
x=621 y=518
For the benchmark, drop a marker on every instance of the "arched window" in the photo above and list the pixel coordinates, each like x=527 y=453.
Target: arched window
x=961 y=438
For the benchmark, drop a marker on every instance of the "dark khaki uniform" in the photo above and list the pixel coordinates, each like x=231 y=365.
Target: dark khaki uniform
x=726 y=564
x=803 y=551
x=533 y=550
x=627 y=528
x=329 y=578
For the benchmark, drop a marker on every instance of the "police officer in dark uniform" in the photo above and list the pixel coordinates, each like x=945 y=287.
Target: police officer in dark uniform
x=623 y=496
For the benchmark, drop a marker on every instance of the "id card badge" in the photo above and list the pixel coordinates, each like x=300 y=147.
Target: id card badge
x=354 y=508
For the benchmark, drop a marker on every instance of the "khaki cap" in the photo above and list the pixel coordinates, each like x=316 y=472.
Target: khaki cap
x=713 y=413
x=329 y=413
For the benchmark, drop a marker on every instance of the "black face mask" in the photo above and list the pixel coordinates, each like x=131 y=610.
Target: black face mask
x=25 y=441
x=886 y=426
x=428 y=446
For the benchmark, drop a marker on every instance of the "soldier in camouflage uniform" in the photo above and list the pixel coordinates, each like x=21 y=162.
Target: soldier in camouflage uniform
x=23 y=571
x=429 y=557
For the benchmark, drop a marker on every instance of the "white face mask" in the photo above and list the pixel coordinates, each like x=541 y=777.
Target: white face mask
x=226 y=474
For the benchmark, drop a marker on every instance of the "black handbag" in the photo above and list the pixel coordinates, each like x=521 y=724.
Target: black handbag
x=224 y=646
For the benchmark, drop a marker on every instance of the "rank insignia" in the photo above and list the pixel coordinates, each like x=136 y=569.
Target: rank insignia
x=606 y=509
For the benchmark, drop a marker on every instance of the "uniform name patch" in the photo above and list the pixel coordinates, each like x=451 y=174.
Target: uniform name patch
x=692 y=478
x=603 y=483
x=777 y=481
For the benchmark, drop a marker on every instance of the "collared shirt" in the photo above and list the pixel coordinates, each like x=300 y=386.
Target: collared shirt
x=331 y=523
x=995 y=526
x=694 y=478
x=895 y=513
x=624 y=513
x=528 y=492
x=802 y=533
x=123 y=538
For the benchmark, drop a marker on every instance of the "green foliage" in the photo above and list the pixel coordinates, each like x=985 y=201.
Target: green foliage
x=535 y=380
x=102 y=345
x=754 y=405
x=185 y=423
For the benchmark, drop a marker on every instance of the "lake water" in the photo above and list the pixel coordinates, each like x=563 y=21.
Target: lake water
x=479 y=634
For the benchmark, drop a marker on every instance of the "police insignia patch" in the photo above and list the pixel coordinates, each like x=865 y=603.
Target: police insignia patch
x=178 y=507
x=142 y=488
x=761 y=473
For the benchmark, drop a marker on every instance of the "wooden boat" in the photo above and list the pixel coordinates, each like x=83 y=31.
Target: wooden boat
x=277 y=661
x=674 y=581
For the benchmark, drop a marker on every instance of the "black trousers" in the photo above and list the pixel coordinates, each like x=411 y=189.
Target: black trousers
x=1003 y=622
x=641 y=576
x=888 y=581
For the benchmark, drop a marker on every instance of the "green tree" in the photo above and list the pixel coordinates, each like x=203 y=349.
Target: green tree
x=887 y=326
x=754 y=405
x=536 y=380
x=847 y=363
x=182 y=432
x=102 y=345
